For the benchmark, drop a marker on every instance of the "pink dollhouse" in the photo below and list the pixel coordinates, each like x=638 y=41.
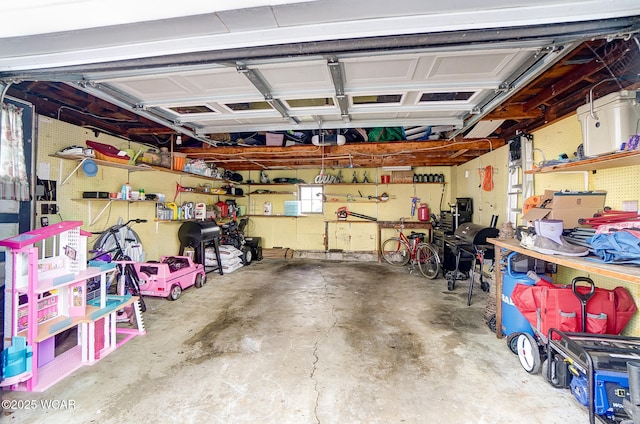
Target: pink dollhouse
x=46 y=294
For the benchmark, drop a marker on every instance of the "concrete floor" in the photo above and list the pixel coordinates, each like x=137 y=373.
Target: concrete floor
x=305 y=341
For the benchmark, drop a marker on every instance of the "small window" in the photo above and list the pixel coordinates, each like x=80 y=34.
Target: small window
x=371 y=100
x=186 y=110
x=307 y=103
x=446 y=97
x=248 y=106
x=310 y=197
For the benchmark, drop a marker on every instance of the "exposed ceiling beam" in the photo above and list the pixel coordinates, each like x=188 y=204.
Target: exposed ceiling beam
x=422 y=153
x=584 y=71
x=513 y=111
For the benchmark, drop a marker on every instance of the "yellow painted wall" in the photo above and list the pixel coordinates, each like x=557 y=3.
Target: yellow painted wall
x=313 y=231
x=470 y=181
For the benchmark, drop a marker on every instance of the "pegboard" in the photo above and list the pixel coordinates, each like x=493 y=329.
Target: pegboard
x=620 y=184
x=561 y=137
x=564 y=137
x=53 y=136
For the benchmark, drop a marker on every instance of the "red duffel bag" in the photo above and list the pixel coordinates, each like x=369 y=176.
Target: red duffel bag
x=546 y=305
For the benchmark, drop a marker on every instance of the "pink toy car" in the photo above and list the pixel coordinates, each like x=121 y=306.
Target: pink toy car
x=170 y=276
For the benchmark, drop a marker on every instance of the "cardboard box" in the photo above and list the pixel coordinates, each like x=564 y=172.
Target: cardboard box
x=401 y=177
x=274 y=139
x=569 y=206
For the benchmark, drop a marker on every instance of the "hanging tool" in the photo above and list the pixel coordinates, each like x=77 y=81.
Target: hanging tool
x=414 y=202
x=351 y=198
x=382 y=198
x=343 y=212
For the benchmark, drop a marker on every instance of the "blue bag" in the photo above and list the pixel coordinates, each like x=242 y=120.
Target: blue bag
x=619 y=247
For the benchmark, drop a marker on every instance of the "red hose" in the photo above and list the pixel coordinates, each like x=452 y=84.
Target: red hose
x=487 y=182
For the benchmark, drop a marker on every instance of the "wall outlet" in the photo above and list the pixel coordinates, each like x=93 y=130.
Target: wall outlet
x=53 y=208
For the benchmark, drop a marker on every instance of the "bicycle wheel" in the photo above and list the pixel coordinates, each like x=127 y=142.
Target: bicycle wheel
x=428 y=260
x=127 y=239
x=396 y=252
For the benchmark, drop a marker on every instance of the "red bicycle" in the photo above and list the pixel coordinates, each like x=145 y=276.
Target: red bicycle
x=412 y=250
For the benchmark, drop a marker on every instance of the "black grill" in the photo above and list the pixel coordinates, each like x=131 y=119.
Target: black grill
x=474 y=234
x=199 y=234
x=469 y=245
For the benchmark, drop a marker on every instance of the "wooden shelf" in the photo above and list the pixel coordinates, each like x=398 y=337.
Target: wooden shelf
x=277 y=216
x=613 y=160
x=354 y=200
x=349 y=184
x=288 y=193
x=417 y=183
x=270 y=184
x=348 y=221
x=140 y=167
x=211 y=194
x=106 y=163
x=114 y=200
x=620 y=272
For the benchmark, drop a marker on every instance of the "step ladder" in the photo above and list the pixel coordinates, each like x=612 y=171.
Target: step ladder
x=519 y=184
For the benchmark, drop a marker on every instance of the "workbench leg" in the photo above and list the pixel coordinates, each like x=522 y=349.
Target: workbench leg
x=498 y=277
x=379 y=243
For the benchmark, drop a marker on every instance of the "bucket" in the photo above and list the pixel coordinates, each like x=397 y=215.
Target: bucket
x=385 y=179
x=179 y=160
x=512 y=320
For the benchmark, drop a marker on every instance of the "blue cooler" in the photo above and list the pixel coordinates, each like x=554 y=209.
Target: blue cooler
x=512 y=320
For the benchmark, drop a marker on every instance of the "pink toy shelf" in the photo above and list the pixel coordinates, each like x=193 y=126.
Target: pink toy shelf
x=46 y=294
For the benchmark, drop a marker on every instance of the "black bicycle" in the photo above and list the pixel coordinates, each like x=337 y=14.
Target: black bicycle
x=115 y=245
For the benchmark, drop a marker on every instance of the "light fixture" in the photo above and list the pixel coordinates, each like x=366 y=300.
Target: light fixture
x=484 y=128
x=397 y=168
x=179 y=140
x=328 y=140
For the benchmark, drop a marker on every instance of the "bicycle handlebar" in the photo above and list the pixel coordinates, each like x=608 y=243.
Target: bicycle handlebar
x=117 y=227
x=400 y=224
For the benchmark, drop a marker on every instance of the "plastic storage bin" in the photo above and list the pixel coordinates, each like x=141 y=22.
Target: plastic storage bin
x=618 y=119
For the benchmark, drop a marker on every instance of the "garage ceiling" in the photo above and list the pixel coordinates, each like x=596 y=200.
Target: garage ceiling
x=474 y=78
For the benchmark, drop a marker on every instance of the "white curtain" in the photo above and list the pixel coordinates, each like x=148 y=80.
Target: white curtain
x=14 y=184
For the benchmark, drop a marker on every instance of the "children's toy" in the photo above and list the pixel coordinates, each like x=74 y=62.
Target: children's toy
x=170 y=276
